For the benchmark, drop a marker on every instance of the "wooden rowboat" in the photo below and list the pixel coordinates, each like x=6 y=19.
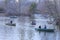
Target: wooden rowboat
x=44 y=30
x=13 y=16
x=9 y=24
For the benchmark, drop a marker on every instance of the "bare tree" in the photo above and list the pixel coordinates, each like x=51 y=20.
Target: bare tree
x=52 y=10
x=12 y=7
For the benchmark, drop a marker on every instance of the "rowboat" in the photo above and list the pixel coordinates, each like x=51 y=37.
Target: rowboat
x=9 y=24
x=13 y=16
x=44 y=30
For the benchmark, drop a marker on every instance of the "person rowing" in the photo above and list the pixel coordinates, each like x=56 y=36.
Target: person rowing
x=40 y=27
x=45 y=27
x=11 y=22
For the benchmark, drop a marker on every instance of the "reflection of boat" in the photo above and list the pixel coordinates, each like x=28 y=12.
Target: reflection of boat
x=44 y=30
x=9 y=24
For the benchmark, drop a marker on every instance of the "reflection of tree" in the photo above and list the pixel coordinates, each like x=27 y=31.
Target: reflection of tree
x=51 y=7
x=32 y=11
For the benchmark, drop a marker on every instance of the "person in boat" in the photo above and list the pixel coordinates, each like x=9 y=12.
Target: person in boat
x=45 y=27
x=11 y=22
x=40 y=27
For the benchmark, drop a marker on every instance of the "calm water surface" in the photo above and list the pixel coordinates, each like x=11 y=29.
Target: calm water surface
x=25 y=31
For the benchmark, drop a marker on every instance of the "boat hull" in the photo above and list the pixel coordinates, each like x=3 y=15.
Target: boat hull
x=44 y=30
x=9 y=24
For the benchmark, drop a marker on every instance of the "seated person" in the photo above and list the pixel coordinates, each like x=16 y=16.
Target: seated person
x=11 y=22
x=45 y=27
x=39 y=26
